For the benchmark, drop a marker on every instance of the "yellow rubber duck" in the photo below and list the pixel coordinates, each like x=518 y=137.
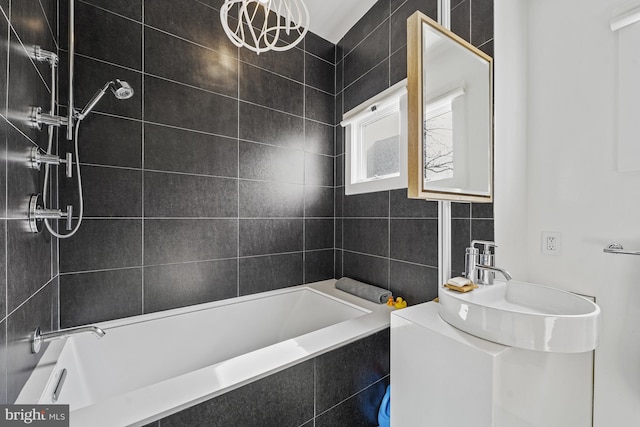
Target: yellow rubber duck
x=390 y=302
x=400 y=303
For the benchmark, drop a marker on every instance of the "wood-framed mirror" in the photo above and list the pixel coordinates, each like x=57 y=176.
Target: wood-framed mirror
x=450 y=114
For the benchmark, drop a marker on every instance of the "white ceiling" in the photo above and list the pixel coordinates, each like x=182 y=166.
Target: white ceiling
x=331 y=19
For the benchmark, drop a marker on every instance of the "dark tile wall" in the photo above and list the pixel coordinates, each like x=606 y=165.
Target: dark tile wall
x=384 y=238
x=215 y=180
x=341 y=388
x=28 y=262
x=472 y=20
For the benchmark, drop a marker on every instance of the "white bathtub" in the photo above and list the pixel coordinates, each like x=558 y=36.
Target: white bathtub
x=151 y=366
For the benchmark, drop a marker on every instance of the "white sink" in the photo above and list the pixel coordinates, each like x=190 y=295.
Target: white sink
x=524 y=315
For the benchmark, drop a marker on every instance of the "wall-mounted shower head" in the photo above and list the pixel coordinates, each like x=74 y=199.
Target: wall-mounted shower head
x=120 y=89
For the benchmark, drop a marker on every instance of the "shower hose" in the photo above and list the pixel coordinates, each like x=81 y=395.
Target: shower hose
x=47 y=169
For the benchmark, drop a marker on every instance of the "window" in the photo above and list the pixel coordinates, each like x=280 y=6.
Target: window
x=376 y=143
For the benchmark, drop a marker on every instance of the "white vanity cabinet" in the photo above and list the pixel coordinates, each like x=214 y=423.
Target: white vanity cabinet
x=443 y=377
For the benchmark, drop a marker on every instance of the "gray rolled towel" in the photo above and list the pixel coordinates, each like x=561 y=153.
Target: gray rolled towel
x=363 y=290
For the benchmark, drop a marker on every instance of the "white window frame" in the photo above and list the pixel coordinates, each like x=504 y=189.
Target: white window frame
x=380 y=106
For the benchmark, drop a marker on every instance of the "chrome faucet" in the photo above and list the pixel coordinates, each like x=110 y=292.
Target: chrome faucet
x=480 y=268
x=38 y=337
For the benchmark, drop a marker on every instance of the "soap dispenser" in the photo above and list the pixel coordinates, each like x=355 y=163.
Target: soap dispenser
x=471 y=259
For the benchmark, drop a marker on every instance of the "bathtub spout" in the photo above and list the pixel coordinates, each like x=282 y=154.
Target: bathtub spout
x=38 y=337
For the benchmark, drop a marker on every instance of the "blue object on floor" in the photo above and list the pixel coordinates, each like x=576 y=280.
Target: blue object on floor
x=384 y=414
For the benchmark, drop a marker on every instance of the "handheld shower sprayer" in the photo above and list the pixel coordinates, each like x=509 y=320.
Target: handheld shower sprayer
x=119 y=88
x=38 y=213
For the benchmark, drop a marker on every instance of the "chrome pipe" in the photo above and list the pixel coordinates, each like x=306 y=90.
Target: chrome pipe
x=37 y=118
x=38 y=337
x=41 y=55
x=71 y=51
x=504 y=272
x=49 y=120
x=63 y=333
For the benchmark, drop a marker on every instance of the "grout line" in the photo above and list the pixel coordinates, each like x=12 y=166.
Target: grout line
x=5 y=261
x=208 y=5
x=304 y=150
x=203 y=175
x=198 y=218
x=5 y=368
x=238 y=182
x=103 y=61
x=342 y=237
x=396 y=9
x=6 y=13
x=344 y=51
x=362 y=76
x=204 y=89
x=389 y=192
x=389 y=240
x=470 y=21
x=341 y=189
x=6 y=270
x=142 y=96
x=114 y=13
x=58 y=26
x=21 y=133
x=355 y=394
x=304 y=161
x=393 y=218
x=216 y=93
x=485 y=43
x=57 y=194
x=404 y=46
x=389 y=73
x=142 y=22
x=335 y=180
x=26 y=53
x=234 y=258
x=28 y=299
x=389 y=258
x=133 y=119
x=315 y=391
x=315 y=153
x=137 y=267
x=53 y=36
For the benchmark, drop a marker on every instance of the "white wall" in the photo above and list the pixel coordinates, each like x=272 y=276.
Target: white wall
x=510 y=137
x=571 y=182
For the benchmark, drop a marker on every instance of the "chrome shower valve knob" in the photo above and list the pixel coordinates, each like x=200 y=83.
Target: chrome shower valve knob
x=36 y=159
x=37 y=213
x=37 y=118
